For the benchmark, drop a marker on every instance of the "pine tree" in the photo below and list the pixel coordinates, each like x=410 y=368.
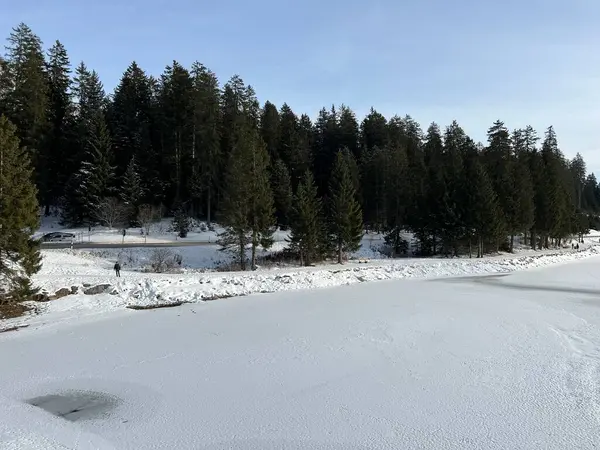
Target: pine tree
x=206 y=149
x=132 y=191
x=345 y=212
x=95 y=179
x=27 y=100
x=482 y=219
x=308 y=233
x=269 y=129
x=396 y=174
x=248 y=212
x=499 y=162
x=91 y=102
x=374 y=132
x=282 y=193
x=19 y=253
x=181 y=222
x=60 y=137
x=176 y=127
x=131 y=121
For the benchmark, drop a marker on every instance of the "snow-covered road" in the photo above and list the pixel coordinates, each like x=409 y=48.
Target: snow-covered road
x=498 y=362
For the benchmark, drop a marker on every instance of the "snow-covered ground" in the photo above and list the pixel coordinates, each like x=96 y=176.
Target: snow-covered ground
x=160 y=232
x=503 y=361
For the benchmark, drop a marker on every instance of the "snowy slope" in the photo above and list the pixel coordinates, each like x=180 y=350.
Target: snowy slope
x=509 y=361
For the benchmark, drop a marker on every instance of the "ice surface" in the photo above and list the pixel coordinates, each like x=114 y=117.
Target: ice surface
x=453 y=363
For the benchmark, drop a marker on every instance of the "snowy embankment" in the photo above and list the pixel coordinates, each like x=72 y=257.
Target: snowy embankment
x=64 y=269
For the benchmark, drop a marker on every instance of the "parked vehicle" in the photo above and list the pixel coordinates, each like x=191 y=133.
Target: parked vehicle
x=58 y=236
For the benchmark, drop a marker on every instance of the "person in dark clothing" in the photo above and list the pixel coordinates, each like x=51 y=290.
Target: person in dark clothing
x=117 y=269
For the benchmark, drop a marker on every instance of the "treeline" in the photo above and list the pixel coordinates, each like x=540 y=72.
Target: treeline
x=202 y=149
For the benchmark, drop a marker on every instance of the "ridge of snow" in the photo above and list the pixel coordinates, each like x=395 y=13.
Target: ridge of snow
x=146 y=289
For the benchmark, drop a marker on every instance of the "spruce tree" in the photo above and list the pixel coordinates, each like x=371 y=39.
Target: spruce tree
x=346 y=224
x=396 y=175
x=482 y=218
x=95 y=179
x=60 y=136
x=19 y=217
x=308 y=233
x=132 y=191
x=206 y=149
x=374 y=132
x=269 y=129
x=248 y=211
x=27 y=100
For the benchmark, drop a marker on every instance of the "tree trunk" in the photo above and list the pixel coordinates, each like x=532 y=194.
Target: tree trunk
x=208 y=196
x=339 y=252
x=470 y=248
x=512 y=242
x=254 y=245
x=242 y=243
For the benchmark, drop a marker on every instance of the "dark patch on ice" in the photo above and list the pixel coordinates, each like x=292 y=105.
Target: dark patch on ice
x=77 y=405
x=497 y=281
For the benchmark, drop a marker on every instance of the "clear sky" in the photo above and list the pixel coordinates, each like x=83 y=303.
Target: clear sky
x=522 y=61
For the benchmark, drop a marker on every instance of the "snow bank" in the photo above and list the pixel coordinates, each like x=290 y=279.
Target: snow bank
x=62 y=269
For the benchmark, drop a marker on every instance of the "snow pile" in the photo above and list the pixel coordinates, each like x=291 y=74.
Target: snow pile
x=201 y=288
x=64 y=270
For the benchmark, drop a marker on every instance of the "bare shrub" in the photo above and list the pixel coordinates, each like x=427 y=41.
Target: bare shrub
x=111 y=212
x=164 y=260
x=147 y=215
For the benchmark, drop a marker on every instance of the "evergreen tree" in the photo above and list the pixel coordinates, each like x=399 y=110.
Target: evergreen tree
x=499 y=161
x=19 y=253
x=396 y=174
x=482 y=217
x=95 y=179
x=269 y=129
x=307 y=234
x=206 y=150
x=181 y=222
x=59 y=142
x=176 y=128
x=248 y=211
x=91 y=103
x=282 y=193
x=131 y=119
x=348 y=135
x=346 y=225
x=132 y=191
x=374 y=132
x=524 y=213
x=27 y=99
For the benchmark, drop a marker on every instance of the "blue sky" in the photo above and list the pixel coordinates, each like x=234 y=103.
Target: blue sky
x=522 y=61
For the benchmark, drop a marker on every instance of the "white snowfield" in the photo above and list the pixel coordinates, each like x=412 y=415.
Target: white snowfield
x=444 y=354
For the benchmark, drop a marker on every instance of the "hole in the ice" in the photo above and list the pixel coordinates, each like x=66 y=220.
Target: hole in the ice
x=77 y=405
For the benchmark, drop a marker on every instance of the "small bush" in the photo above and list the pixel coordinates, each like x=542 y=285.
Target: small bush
x=164 y=260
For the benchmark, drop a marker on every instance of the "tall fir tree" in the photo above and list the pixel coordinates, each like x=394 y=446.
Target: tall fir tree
x=248 y=212
x=481 y=212
x=346 y=224
x=95 y=179
x=19 y=217
x=27 y=101
x=269 y=129
x=206 y=148
x=132 y=190
x=60 y=136
x=131 y=120
x=308 y=233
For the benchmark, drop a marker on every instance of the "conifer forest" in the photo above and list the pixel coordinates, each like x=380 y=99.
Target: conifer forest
x=187 y=144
